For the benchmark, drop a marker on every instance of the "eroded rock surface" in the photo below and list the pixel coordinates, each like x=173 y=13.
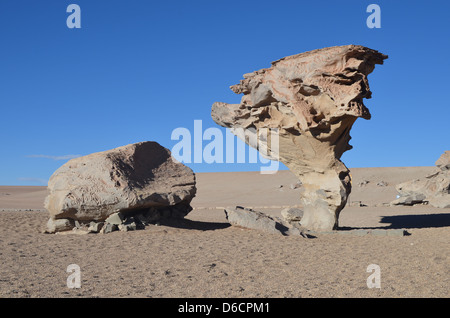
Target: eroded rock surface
x=255 y=220
x=311 y=100
x=132 y=179
x=433 y=189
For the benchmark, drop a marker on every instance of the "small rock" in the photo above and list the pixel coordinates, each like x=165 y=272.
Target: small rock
x=115 y=218
x=389 y=232
x=76 y=230
x=292 y=214
x=363 y=183
x=95 y=227
x=108 y=228
x=293 y=231
x=357 y=203
x=125 y=227
x=382 y=184
x=59 y=225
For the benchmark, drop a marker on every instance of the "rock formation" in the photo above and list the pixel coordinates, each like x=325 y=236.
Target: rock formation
x=312 y=100
x=250 y=219
x=140 y=178
x=292 y=215
x=433 y=189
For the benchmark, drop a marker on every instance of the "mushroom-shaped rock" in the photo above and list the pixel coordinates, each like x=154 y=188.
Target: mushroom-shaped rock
x=311 y=100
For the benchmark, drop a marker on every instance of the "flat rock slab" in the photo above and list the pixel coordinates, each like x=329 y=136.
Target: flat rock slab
x=291 y=215
x=255 y=220
x=365 y=232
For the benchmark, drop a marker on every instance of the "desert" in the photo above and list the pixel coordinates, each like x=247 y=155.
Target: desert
x=223 y=150
x=204 y=256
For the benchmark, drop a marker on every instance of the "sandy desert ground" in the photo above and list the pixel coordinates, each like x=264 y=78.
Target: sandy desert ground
x=204 y=256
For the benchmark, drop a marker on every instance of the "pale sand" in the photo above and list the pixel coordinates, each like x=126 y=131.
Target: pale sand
x=205 y=257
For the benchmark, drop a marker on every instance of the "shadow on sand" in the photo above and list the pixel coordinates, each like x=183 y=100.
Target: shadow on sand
x=417 y=221
x=195 y=225
x=413 y=221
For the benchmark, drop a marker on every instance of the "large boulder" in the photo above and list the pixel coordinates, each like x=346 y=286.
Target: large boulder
x=132 y=179
x=310 y=100
x=433 y=189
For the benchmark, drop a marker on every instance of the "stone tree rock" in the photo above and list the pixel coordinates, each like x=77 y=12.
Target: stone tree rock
x=129 y=179
x=312 y=100
x=433 y=189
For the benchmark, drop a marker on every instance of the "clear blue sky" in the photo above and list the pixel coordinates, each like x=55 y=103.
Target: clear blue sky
x=136 y=70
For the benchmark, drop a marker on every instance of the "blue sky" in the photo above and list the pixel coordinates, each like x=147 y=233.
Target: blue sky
x=136 y=70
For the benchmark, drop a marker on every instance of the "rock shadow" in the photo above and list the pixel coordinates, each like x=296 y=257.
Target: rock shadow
x=412 y=221
x=194 y=225
x=417 y=220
